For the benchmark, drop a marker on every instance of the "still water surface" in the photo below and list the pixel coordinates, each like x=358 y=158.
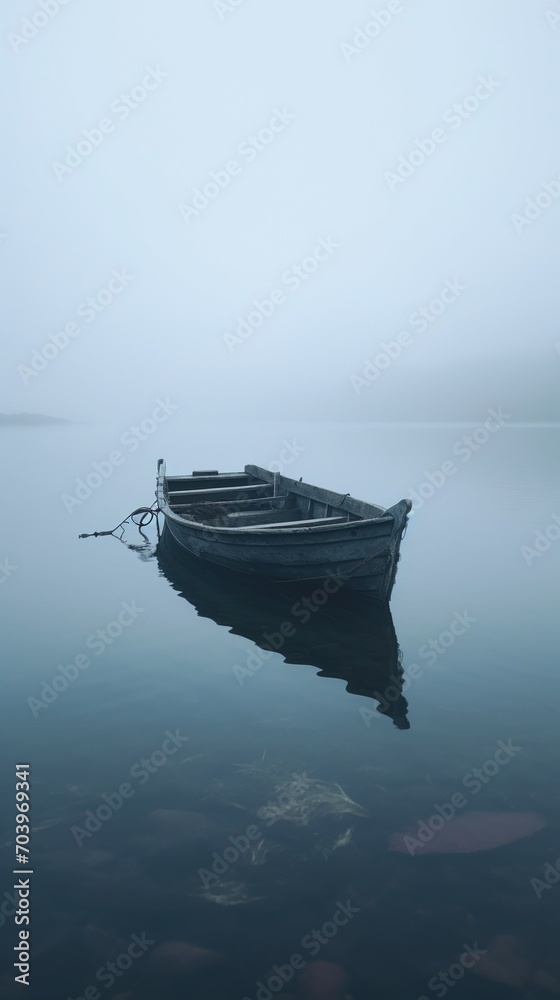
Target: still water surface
x=226 y=806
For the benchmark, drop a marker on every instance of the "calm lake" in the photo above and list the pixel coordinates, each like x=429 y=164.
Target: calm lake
x=208 y=819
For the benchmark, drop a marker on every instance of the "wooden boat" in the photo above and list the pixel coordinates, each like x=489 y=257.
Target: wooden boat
x=270 y=527
x=350 y=637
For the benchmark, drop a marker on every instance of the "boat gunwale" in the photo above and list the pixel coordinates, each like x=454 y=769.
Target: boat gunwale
x=257 y=529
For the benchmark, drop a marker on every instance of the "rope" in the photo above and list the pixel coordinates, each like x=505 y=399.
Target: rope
x=147 y=515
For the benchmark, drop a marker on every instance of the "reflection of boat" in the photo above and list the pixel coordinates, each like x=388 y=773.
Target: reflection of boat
x=347 y=636
x=274 y=528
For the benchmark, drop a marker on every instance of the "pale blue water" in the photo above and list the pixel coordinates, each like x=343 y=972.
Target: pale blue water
x=334 y=777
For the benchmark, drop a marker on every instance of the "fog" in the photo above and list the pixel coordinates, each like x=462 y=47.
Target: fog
x=262 y=197
x=318 y=237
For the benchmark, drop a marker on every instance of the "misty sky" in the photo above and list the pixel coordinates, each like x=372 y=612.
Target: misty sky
x=183 y=90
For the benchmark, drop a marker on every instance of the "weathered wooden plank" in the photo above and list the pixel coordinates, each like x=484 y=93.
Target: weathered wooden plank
x=314 y=522
x=337 y=500
x=201 y=482
x=319 y=508
x=213 y=475
x=261 y=503
x=244 y=519
x=224 y=493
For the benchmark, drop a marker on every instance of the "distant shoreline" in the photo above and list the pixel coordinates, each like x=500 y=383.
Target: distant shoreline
x=29 y=419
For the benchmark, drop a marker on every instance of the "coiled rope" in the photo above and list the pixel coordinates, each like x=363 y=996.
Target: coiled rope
x=146 y=515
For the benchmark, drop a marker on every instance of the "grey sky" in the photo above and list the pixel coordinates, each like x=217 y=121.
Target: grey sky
x=219 y=78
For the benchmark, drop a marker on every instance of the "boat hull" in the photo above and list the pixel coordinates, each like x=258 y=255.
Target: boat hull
x=359 y=555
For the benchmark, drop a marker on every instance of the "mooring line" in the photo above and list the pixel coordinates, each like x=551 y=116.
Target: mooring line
x=147 y=516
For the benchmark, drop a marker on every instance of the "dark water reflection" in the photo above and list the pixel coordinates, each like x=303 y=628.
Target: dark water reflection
x=203 y=737
x=346 y=636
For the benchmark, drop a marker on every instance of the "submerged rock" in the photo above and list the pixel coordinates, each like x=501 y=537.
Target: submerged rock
x=323 y=981
x=472 y=831
x=508 y=961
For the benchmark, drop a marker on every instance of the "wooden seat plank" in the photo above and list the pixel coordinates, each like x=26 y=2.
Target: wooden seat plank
x=220 y=493
x=312 y=523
